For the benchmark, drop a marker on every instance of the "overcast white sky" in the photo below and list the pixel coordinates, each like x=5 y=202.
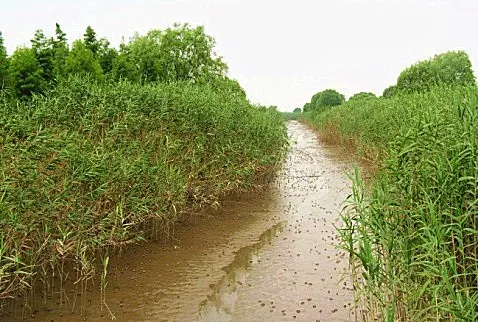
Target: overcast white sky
x=282 y=52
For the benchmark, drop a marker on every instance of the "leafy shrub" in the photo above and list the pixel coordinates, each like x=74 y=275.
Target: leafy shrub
x=362 y=96
x=451 y=69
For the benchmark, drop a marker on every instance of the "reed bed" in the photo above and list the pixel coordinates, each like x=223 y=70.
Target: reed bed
x=89 y=166
x=412 y=235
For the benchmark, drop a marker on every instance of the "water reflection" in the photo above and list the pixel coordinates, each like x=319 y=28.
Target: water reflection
x=219 y=306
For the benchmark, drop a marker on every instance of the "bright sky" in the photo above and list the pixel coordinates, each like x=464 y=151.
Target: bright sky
x=281 y=52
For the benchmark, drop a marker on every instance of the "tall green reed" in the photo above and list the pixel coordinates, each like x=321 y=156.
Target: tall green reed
x=413 y=235
x=89 y=166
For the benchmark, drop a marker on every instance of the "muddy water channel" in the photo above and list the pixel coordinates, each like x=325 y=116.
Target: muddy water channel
x=264 y=256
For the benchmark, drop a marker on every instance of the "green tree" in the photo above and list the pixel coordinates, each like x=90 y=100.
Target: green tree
x=43 y=50
x=180 y=53
x=229 y=86
x=328 y=98
x=60 y=34
x=4 y=79
x=60 y=52
x=25 y=73
x=362 y=96
x=188 y=54
x=81 y=60
x=90 y=41
x=297 y=110
x=106 y=55
x=122 y=64
x=389 y=91
x=307 y=107
x=313 y=100
x=140 y=59
x=451 y=68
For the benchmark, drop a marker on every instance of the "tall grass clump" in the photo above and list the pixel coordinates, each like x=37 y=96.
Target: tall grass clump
x=365 y=126
x=413 y=234
x=89 y=166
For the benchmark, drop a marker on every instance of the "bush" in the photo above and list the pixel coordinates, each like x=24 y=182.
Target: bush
x=449 y=69
x=362 y=96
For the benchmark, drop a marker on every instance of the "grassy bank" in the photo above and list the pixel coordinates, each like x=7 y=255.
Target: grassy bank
x=89 y=166
x=413 y=238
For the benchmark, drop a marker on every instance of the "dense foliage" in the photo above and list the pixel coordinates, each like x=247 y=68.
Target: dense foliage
x=323 y=99
x=416 y=231
x=89 y=165
x=100 y=148
x=389 y=91
x=180 y=53
x=25 y=73
x=413 y=234
x=362 y=96
x=451 y=68
x=3 y=64
x=448 y=69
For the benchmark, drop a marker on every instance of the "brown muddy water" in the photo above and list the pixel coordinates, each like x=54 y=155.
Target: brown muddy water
x=264 y=256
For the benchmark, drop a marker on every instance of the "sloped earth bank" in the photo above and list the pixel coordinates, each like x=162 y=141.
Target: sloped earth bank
x=264 y=256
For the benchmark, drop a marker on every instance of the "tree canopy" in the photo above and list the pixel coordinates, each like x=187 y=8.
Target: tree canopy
x=313 y=100
x=81 y=60
x=325 y=98
x=362 y=96
x=181 y=53
x=187 y=54
x=25 y=73
x=450 y=68
x=3 y=64
x=307 y=107
x=90 y=41
x=43 y=50
x=328 y=98
x=389 y=91
x=60 y=52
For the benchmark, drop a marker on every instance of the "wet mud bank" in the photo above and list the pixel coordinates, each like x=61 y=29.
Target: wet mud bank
x=264 y=256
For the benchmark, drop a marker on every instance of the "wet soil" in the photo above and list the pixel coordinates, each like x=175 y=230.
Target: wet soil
x=264 y=256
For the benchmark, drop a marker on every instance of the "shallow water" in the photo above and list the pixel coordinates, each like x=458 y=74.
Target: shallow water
x=264 y=256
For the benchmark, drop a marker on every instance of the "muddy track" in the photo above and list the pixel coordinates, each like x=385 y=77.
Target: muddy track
x=266 y=256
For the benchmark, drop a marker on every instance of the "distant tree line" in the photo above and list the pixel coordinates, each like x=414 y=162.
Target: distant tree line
x=452 y=68
x=179 y=53
x=448 y=69
x=323 y=99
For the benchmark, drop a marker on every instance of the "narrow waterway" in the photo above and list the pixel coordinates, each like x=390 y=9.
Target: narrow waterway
x=264 y=256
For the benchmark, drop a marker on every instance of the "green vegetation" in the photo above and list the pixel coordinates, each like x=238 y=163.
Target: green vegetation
x=93 y=158
x=25 y=73
x=448 y=69
x=412 y=234
x=389 y=91
x=82 y=61
x=362 y=96
x=3 y=64
x=180 y=53
x=295 y=115
x=324 y=99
